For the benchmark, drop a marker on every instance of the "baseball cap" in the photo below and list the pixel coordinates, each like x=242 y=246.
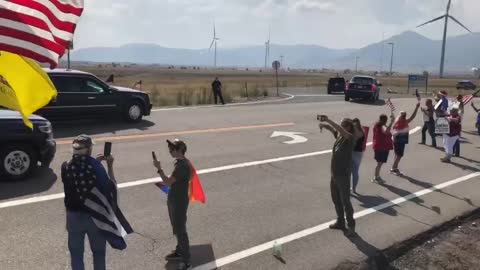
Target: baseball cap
x=177 y=145
x=82 y=141
x=443 y=93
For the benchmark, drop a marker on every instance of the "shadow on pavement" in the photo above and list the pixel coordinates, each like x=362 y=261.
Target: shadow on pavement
x=41 y=180
x=404 y=193
x=465 y=167
x=374 y=255
x=201 y=254
x=426 y=185
x=373 y=201
x=379 y=102
x=91 y=127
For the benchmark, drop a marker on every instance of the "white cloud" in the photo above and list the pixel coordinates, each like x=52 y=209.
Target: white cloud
x=332 y=23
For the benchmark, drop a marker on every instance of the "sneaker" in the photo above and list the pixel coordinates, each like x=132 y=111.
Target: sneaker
x=445 y=160
x=174 y=256
x=421 y=143
x=378 y=180
x=184 y=266
x=337 y=226
x=396 y=172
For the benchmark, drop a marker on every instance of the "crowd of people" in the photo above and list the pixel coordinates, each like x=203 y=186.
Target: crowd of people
x=91 y=190
x=389 y=133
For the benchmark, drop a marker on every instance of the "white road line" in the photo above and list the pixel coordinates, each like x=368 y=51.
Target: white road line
x=37 y=199
x=307 y=232
x=226 y=105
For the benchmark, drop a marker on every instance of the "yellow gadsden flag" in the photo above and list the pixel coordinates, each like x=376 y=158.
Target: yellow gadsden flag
x=24 y=86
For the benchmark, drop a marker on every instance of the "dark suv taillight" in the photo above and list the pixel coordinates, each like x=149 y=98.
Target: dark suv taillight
x=347 y=86
x=373 y=87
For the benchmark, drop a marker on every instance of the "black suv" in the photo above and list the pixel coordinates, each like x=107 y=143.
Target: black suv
x=336 y=85
x=82 y=95
x=467 y=85
x=22 y=148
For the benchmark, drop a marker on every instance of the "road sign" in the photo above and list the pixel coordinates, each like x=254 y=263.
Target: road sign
x=295 y=136
x=276 y=65
x=416 y=81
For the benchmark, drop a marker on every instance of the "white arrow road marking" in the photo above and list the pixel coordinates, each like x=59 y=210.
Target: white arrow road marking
x=295 y=136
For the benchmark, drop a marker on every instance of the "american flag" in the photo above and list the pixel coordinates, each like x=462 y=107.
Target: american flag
x=40 y=29
x=99 y=196
x=390 y=104
x=467 y=99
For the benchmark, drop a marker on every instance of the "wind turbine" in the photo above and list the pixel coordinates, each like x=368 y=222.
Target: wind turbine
x=267 y=49
x=446 y=16
x=214 y=42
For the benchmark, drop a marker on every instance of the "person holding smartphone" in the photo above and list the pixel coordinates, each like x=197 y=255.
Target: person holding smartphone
x=341 y=170
x=178 y=200
x=89 y=188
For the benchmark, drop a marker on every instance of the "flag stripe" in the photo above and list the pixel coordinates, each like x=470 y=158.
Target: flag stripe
x=32 y=24
x=61 y=20
x=467 y=99
x=61 y=30
x=32 y=38
x=69 y=7
x=34 y=51
x=38 y=29
x=104 y=200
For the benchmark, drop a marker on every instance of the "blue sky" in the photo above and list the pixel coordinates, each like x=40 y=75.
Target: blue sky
x=330 y=23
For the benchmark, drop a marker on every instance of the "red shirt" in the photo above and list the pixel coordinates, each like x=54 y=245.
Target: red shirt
x=382 y=140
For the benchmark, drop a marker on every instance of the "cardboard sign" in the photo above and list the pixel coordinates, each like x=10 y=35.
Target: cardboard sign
x=442 y=126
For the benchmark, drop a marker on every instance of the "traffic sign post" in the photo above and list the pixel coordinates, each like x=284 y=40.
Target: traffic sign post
x=276 y=65
x=417 y=81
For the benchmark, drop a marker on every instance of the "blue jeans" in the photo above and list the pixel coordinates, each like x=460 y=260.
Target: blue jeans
x=79 y=224
x=356 y=160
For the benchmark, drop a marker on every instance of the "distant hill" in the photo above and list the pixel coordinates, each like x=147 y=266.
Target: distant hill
x=413 y=52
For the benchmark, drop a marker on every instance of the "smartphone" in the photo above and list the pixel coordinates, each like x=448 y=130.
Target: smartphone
x=107 y=150
x=154 y=156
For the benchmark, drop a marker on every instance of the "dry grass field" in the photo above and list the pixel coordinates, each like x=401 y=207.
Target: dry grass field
x=185 y=87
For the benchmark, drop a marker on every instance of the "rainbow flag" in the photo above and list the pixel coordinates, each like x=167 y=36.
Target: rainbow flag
x=195 y=190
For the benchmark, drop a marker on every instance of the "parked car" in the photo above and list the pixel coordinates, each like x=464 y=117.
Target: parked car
x=362 y=87
x=467 y=85
x=336 y=85
x=83 y=95
x=21 y=149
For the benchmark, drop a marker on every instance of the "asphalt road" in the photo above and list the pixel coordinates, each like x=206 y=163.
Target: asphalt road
x=259 y=189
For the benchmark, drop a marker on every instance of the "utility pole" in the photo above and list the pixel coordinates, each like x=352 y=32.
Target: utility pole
x=391 y=58
x=383 y=49
x=281 y=61
x=356 y=63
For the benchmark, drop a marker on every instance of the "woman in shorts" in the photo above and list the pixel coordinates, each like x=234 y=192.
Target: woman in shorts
x=400 y=133
x=382 y=144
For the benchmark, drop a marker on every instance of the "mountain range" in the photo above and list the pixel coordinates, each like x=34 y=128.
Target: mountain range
x=412 y=53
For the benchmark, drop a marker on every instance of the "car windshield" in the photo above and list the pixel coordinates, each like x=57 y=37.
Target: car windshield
x=337 y=80
x=362 y=80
